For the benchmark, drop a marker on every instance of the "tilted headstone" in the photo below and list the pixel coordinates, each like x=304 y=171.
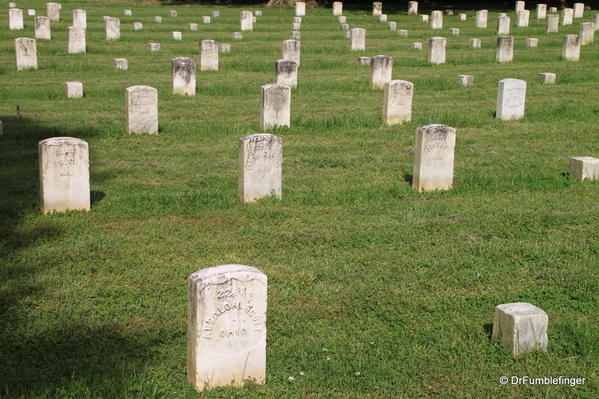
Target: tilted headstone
x=300 y=8
x=522 y=18
x=80 y=18
x=505 y=49
x=587 y=33
x=157 y=19
x=275 y=107
x=552 y=9
x=337 y=8
x=520 y=327
x=177 y=35
x=53 y=11
x=142 y=109
x=15 y=19
x=541 y=11
x=286 y=72
x=402 y=33
x=121 y=64
x=547 y=78
x=436 y=50
x=511 y=98
x=113 y=28
x=216 y=13
x=397 y=106
x=184 y=76
x=77 y=42
x=260 y=167
x=74 y=89
x=383 y=18
x=377 y=8
x=584 y=168
x=424 y=18
x=42 y=28
x=552 y=23
x=342 y=19
x=291 y=50
x=296 y=26
x=64 y=175
x=532 y=42
x=578 y=10
x=449 y=12
x=412 y=8
x=567 y=16
x=481 y=18
x=246 y=20
x=138 y=26
x=226 y=328
x=475 y=43
x=433 y=160
x=127 y=13
x=358 y=39
x=208 y=55
x=26 y=51
x=503 y=25
x=392 y=25
x=466 y=80
x=381 y=70
x=154 y=47
x=571 y=49
x=173 y=13
x=436 y=19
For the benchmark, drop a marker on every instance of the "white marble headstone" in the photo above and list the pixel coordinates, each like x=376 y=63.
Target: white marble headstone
x=260 y=167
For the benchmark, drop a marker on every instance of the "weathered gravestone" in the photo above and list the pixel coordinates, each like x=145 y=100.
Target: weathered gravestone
x=383 y=18
x=381 y=69
x=511 y=98
x=433 y=160
x=358 y=39
x=64 y=174
x=31 y=12
x=193 y=27
x=522 y=18
x=275 y=109
x=505 y=49
x=246 y=21
x=462 y=17
x=454 y=31
x=216 y=13
x=342 y=19
x=520 y=5
x=296 y=26
x=417 y=45
x=436 y=50
x=596 y=21
x=552 y=23
x=520 y=327
x=184 y=76
x=127 y=13
x=364 y=60
x=481 y=18
x=397 y=105
x=260 y=167
x=402 y=32
x=571 y=48
x=237 y=36
x=224 y=47
x=587 y=33
x=226 y=330
x=291 y=50
x=503 y=25
x=42 y=28
x=208 y=55
x=142 y=109
x=173 y=13
x=300 y=8
x=157 y=19
x=207 y=20
x=76 y=42
x=113 y=28
x=286 y=72
x=297 y=20
x=392 y=25
x=15 y=19
x=80 y=19
x=53 y=11
x=436 y=19
x=584 y=168
x=26 y=52
x=74 y=89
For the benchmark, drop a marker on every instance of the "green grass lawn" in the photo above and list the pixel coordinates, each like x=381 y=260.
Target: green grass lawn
x=375 y=290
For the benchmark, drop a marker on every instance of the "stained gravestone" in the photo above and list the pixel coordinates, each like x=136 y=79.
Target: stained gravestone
x=208 y=55
x=412 y=8
x=417 y=45
x=436 y=19
x=260 y=167
x=291 y=50
x=275 y=107
x=587 y=33
x=237 y=36
x=121 y=64
x=296 y=35
x=64 y=174
x=520 y=5
x=77 y=43
x=127 y=13
x=377 y=8
x=503 y=25
x=15 y=19
x=392 y=25
x=184 y=76
x=286 y=72
x=511 y=98
x=434 y=156
x=300 y=8
x=520 y=327
x=397 y=106
x=571 y=49
x=481 y=18
x=552 y=23
x=26 y=52
x=436 y=50
x=226 y=330
x=157 y=19
x=246 y=20
x=337 y=8
x=142 y=109
x=466 y=80
x=42 y=28
x=541 y=11
x=381 y=69
x=358 y=39
x=31 y=12
x=584 y=168
x=113 y=28
x=364 y=60
x=462 y=17
x=454 y=31
x=505 y=49
x=296 y=26
x=80 y=19
x=74 y=89
x=53 y=11
x=547 y=78
x=522 y=18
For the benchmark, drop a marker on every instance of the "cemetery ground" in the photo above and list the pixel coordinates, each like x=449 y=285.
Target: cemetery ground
x=375 y=290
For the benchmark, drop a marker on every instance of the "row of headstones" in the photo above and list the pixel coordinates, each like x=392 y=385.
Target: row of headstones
x=227 y=326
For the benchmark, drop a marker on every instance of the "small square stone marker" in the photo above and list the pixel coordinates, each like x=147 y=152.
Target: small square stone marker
x=466 y=80
x=475 y=43
x=226 y=330
x=121 y=64
x=520 y=327
x=260 y=167
x=358 y=39
x=584 y=168
x=74 y=89
x=547 y=78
